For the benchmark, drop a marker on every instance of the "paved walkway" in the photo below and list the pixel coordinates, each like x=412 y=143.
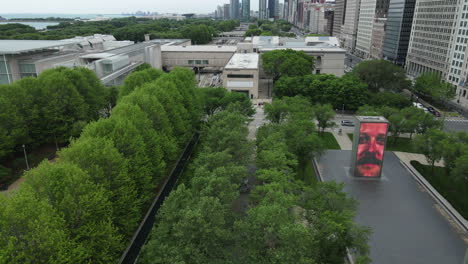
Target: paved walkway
x=257 y=121
x=343 y=140
x=407 y=157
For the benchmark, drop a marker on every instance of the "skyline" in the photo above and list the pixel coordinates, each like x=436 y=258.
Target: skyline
x=114 y=7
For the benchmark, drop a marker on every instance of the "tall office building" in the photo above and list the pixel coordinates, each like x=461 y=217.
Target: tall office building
x=246 y=10
x=227 y=11
x=234 y=9
x=271 y=8
x=349 y=27
x=262 y=9
x=339 y=17
x=371 y=17
x=432 y=32
x=398 y=30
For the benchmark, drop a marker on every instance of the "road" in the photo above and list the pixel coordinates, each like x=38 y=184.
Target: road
x=456 y=125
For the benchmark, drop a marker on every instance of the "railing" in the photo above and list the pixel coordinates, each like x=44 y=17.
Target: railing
x=141 y=235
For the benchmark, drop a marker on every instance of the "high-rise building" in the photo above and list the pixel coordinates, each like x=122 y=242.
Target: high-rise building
x=246 y=10
x=219 y=12
x=432 y=34
x=262 y=9
x=339 y=17
x=234 y=9
x=271 y=8
x=369 y=14
x=227 y=11
x=398 y=30
x=281 y=11
x=349 y=26
x=286 y=10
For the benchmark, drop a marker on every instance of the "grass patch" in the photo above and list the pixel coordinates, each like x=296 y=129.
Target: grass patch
x=329 y=141
x=452 y=190
x=306 y=172
x=401 y=144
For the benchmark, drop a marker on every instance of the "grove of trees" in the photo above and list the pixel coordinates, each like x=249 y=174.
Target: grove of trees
x=84 y=207
x=286 y=221
x=200 y=31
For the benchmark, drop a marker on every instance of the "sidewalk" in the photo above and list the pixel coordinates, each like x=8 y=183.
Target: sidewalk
x=343 y=140
x=408 y=157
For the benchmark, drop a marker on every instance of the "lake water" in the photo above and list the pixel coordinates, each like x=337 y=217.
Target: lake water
x=36 y=25
x=43 y=25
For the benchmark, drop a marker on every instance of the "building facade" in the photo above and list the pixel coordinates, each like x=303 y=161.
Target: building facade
x=262 y=10
x=340 y=11
x=227 y=11
x=431 y=38
x=246 y=10
x=234 y=9
x=370 y=12
x=349 y=27
x=398 y=30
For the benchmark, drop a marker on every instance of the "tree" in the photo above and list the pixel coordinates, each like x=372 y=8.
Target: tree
x=278 y=63
x=431 y=83
x=390 y=99
x=199 y=34
x=190 y=229
x=13 y=130
x=382 y=75
x=137 y=79
x=84 y=206
x=277 y=111
x=430 y=145
x=128 y=140
x=107 y=168
x=63 y=105
x=31 y=231
x=460 y=170
x=453 y=147
x=323 y=114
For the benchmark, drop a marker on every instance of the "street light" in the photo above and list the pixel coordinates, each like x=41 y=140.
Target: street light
x=25 y=157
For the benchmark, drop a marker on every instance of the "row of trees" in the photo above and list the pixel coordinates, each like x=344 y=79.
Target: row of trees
x=200 y=31
x=451 y=148
x=84 y=207
x=290 y=221
x=50 y=108
x=408 y=120
x=270 y=28
x=196 y=223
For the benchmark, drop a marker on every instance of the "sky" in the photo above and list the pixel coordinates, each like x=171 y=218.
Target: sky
x=113 y=6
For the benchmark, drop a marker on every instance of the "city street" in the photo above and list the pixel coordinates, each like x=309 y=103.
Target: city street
x=456 y=125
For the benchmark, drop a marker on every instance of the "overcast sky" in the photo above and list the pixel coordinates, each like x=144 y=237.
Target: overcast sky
x=113 y=6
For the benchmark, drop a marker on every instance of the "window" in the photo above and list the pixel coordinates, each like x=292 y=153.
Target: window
x=191 y=62
x=5 y=73
x=206 y=62
x=244 y=76
x=317 y=72
x=107 y=68
x=198 y=62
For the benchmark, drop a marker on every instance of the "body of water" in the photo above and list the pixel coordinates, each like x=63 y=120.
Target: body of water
x=36 y=25
x=82 y=16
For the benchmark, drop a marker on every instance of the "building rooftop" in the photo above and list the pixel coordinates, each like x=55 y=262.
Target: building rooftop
x=199 y=48
x=23 y=46
x=243 y=61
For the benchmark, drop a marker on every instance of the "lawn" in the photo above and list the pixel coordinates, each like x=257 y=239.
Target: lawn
x=306 y=173
x=401 y=144
x=329 y=141
x=455 y=192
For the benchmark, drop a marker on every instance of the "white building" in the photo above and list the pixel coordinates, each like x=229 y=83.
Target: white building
x=241 y=74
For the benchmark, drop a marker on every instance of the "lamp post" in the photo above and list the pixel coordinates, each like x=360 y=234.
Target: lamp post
x=25 y=157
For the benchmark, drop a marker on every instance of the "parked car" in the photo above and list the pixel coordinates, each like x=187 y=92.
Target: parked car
x=431 y=109
x=347 y=123
x=436 y=113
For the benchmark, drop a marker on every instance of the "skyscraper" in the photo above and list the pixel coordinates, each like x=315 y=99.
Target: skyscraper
x=246 y=10
x=234 y=13
x=227 y=11
x=272 y=8
x=262 y=9
x=371 y=18
x=398 y=30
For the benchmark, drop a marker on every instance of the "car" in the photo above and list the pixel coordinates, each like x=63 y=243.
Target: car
x=347 y=123
x=436 y=113
x=431 y=109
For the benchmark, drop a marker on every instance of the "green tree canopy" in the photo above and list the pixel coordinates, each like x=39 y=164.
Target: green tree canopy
x=382 y=75
x=430 y=83
x=279 y=63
